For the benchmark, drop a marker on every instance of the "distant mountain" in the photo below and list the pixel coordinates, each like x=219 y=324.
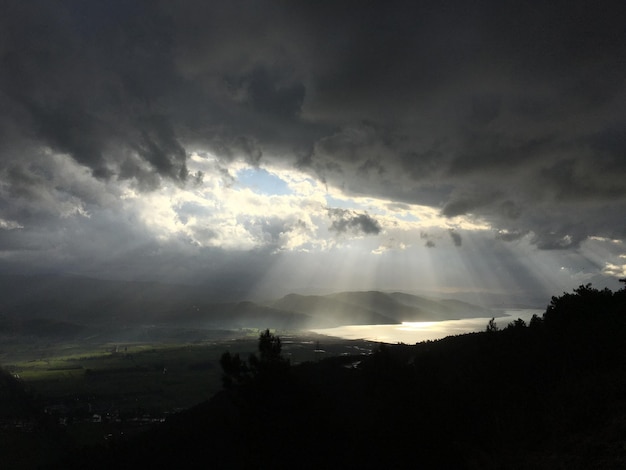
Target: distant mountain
x=326 y=311
x=75 y=301
x=374 y=307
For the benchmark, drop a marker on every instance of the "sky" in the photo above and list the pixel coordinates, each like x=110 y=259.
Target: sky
x=267 y=147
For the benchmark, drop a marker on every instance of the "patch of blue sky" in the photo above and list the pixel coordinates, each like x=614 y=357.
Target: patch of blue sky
x=263 y=182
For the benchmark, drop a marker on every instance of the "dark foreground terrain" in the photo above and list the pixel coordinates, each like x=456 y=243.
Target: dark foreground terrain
x=550 y=394
x=60 y=394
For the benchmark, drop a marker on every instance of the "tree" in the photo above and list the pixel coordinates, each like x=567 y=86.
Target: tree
x=579 y=309
x=517 y=324
x=492 y=327
x=269 y=362
x=270 y=347
x=235 y=371
x=536 y=322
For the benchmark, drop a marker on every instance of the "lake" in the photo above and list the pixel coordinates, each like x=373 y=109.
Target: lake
x=414 y=332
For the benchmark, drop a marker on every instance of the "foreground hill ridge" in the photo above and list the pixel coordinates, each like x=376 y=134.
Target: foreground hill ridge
x=88 y=302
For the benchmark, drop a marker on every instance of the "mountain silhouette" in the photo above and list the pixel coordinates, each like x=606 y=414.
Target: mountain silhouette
x=77 y=302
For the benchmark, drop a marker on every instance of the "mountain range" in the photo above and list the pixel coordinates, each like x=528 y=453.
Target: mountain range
x=28 y=302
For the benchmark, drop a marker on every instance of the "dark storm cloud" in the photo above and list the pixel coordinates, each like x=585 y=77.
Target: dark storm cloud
x=467 y=203
x=89 y=79
x=345 y=220
x=512 y=111
x=265 y=96
x=556 y=241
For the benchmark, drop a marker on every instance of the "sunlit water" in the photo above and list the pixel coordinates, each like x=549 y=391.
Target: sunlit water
x=414 y=332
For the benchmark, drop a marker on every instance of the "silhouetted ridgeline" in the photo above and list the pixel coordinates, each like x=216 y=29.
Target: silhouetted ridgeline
x=551 y=394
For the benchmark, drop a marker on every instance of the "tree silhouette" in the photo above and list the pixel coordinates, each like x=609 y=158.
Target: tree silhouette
x=585 y=306
x=536 y=322
x=492 y=327
x=269 y=362
x=516 y=324
x=235 y=371
x=270 y=348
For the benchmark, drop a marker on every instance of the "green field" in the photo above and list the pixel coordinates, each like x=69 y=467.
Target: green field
x=95 y=392
x=151 y=378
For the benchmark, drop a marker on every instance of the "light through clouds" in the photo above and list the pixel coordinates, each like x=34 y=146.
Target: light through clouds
x=289 y=231
x=315 y=237
x=408 y=147
x=241 y=207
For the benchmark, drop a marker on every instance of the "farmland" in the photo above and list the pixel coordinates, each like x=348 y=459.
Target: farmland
x=144 y=378
x=96 y=390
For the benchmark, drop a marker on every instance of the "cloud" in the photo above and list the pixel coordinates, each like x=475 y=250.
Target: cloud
x=510 y=236
x=556 y=241
x=615 y=270
x=389 y=245
x=496 y=124
x=9 y=225
x=89 y=84
x=461 y=204
x=126 y=123
x=456 y=237
x=344 y=221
